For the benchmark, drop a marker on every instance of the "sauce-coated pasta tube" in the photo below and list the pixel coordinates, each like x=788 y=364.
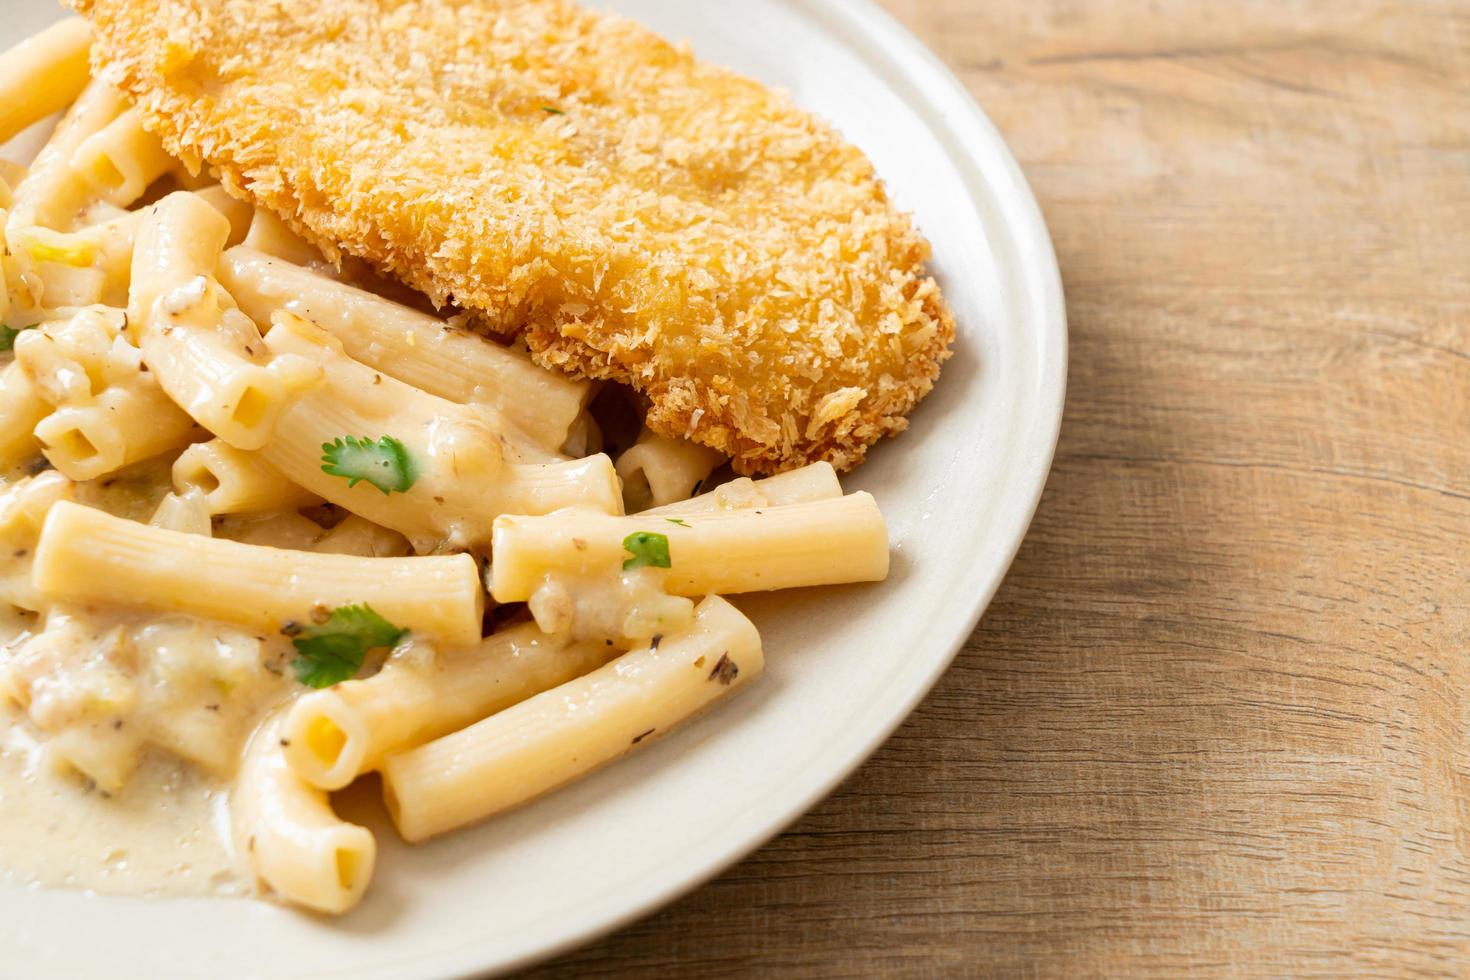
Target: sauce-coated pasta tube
x=21 y=410
x=557 y=736
x=658 y=471
x=233 y=481
x=43 y=74
x=85 y=555
x=294 y=841
x=817 y=481
x=24 y=505
x=826 y=542
x=461 y=478
x=109 y=412
x=337 y=734
x=270 y=236
x=413 y=347
x=360 y=536
x=53 y=194
x=212 y=364
x=121 y=160
x=109 y=246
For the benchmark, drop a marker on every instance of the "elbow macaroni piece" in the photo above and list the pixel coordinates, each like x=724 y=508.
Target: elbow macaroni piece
x=542 y=743
x=340 y=733
x=413 y=347
x=85 y=555
x=826 y=542
x=295 y=843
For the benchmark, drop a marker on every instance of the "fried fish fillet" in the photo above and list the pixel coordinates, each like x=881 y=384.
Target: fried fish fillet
x=634 y=213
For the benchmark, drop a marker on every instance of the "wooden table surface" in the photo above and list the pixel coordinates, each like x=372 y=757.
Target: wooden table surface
x=1218 y=718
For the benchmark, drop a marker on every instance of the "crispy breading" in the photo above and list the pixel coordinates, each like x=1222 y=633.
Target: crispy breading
x=635 y=213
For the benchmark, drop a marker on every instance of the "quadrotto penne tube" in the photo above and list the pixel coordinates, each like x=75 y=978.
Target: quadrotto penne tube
x=413 y=347
x=461 y=476
x=43 y=74
x=554 y=737
x=336 y=735
x=823 y=542
x=86 y=555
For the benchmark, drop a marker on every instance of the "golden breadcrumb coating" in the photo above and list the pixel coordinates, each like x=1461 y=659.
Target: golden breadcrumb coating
x=634 y=213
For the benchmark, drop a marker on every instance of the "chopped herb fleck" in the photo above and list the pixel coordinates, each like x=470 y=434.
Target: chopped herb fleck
x=333 y=651
x=8 y=335
x=726 y=670
x=385 y=463
x=648 y=550
x=675 y=520
x=553 y=110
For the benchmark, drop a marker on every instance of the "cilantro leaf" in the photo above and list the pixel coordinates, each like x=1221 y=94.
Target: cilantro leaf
x=333 y=651
x=675 y=520
x=385 y=463
x=9 y=333
x=648 y=550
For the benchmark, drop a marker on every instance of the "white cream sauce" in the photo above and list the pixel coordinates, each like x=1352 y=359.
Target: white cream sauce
x=165 y=833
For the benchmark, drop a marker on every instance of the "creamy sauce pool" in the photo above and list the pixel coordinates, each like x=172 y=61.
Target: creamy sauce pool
x=165 y=833
x=203 y=686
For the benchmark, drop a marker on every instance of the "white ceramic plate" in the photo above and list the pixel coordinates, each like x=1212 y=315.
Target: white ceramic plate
x=845 y=666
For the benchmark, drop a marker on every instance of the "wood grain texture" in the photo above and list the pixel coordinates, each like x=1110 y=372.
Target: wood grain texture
x=1216 y=721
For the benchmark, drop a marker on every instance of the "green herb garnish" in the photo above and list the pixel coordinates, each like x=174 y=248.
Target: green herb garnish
x=553 y=110
x=8 y=335
x=675 y=520
x=333 y=651
x=649 y=550
x=385 y=463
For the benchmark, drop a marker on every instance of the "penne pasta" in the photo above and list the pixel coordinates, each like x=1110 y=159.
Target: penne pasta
x=413 y=347
x=817 y=481
x=85 y=555
x=43 y=74
x=544 y=742
x=121 y=160
x=825 y=542
x=269 y=236
x=337 y=734
x=232 y=481
x=21 y=410
x=107 y=413
x=359 y=536
x=210 y=364
x=659 y=471
x=460 y=478
x=52 y=194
